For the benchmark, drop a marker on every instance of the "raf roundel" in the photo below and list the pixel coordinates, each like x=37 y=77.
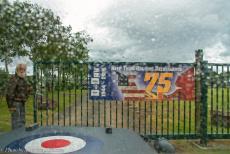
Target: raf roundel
x=55 y=144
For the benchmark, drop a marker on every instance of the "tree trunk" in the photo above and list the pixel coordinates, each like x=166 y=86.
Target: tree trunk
x=6 y=66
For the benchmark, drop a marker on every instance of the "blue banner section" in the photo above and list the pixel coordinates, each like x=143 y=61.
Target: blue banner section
x=100 y=81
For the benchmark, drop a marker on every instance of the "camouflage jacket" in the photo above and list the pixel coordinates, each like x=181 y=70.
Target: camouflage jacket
x=17 y=90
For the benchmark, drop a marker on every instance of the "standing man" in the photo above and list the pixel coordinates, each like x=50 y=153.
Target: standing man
x=17 y=94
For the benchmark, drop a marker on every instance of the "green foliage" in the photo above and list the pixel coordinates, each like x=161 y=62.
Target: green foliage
x=3 y=80
x=218 y=79
x=29 y=30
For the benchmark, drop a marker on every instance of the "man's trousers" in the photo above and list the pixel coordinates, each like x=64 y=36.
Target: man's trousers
x=18 y=116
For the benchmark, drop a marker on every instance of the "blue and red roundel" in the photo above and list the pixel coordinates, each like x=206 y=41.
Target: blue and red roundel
x=54 y=143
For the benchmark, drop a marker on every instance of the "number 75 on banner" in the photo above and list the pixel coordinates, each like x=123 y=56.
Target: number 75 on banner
x=163 y=85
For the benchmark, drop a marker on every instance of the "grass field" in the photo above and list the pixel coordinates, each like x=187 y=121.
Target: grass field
x=5 y=118
x=190 y=147
x=163 y=117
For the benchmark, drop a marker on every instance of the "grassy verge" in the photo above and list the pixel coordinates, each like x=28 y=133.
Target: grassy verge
x=45 y=115
x=214 y=147
x=5 y=118
x=163 y=117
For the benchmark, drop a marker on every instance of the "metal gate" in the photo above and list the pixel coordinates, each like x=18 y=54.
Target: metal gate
x=63 y=98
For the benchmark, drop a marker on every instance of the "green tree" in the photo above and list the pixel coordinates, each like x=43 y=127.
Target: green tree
x=3 y=80
x=30 y=30
x=9 y=44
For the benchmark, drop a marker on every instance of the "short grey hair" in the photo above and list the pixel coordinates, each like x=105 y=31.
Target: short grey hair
x=20 y=66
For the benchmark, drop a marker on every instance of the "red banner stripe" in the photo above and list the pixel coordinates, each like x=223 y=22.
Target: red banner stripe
x=133 y=91
x=132 y=77
x=127 y=88
x=132 y=84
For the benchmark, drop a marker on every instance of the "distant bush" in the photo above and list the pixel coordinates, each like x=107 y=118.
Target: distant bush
x=3 y=81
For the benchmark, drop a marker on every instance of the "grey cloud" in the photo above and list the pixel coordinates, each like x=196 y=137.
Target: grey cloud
x=158 y=32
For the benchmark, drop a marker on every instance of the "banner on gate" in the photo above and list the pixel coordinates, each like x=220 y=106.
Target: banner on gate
x=141 y=82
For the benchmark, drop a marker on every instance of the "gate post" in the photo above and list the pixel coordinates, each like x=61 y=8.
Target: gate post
x=201 y=96
x=204 y=103
x=198 y=62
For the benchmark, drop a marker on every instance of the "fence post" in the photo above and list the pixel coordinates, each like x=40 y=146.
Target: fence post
x=199 y=59
x=204 y=104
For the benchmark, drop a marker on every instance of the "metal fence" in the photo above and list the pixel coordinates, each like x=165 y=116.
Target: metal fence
x=62 y=97
x=218 y=109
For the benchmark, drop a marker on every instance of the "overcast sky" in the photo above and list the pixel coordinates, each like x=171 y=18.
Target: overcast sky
x=149 y=30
